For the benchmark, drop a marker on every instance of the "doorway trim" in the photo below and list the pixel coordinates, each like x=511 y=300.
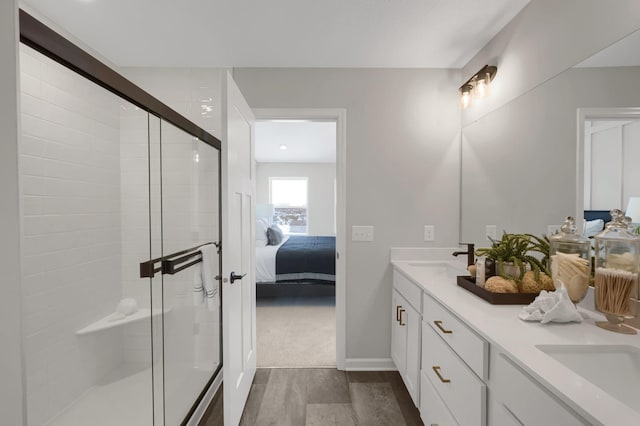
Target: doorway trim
x=590 y=114
x=340 y=116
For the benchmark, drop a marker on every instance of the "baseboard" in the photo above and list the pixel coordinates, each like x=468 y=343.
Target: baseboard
x=369 y=364
x=206 y=400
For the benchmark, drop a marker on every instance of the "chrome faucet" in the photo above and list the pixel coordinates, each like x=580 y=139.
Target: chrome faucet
x=471 y=257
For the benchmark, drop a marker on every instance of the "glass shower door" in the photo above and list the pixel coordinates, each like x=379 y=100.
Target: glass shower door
x=191 y=295
x=87 y=314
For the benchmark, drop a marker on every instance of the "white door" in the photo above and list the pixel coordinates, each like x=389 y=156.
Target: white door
x=238 y=295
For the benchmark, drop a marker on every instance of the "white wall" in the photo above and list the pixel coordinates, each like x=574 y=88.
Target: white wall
x=321 y=190
x=544 y=39
x=11 y=385
x=402 y=170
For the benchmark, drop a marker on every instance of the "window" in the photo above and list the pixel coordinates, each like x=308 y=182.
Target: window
x=289 y=199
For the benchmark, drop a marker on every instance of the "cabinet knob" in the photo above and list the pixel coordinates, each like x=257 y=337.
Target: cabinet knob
x=398 y=307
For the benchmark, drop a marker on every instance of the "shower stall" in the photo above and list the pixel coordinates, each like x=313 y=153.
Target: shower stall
x=120 y=234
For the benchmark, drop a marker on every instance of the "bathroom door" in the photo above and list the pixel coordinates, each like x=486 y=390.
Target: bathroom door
x=238 y=295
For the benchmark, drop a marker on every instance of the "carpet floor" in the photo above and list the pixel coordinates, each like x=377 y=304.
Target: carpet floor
x=295 y=332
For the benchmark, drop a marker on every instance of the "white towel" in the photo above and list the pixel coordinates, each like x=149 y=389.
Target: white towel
x=209 y=262
x=198 y=289
x=552 y=306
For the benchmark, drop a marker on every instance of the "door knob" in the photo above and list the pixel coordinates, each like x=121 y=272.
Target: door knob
x=234 y=277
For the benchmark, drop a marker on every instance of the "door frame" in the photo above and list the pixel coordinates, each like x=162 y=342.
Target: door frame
x=340 y=117
x=585 y=114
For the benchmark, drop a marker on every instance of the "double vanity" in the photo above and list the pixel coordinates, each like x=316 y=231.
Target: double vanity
x=465 y=361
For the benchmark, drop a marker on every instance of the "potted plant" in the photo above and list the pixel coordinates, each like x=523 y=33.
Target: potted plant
x=511 y=255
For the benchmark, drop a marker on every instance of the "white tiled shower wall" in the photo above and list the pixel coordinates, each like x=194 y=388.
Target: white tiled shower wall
x=70 y=178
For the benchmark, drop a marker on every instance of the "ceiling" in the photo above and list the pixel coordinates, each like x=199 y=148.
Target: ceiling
x=282 y=33
x=306 y=141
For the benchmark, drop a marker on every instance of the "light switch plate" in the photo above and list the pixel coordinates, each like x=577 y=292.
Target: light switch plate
x=429 y=232
x=361 y=233
x=490 y=231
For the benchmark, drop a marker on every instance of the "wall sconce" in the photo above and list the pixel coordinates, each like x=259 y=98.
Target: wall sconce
x=478 y=86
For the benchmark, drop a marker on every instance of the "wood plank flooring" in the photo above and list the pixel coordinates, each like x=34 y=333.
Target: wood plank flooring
x=323 y=396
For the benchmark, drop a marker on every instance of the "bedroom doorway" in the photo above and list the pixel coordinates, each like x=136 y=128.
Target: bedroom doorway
x=299 y=244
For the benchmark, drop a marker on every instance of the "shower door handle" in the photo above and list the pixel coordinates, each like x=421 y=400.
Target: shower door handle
x=234 y=277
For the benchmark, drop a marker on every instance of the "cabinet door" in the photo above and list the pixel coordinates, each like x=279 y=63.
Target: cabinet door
x=525 y=399
x=413 y=346
x=433 y=410
x=398 y=333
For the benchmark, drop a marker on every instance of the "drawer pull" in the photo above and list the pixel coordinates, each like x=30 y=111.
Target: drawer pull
x=439 y=325
x=401 y=311
x=436 y=369
x=398 y=307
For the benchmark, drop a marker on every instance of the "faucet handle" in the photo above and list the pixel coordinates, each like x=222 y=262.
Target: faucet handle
x=471 y=254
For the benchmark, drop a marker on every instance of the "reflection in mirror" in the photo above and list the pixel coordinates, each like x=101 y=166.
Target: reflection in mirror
x=522 y=167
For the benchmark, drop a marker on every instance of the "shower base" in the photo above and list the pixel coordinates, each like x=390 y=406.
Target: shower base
x=124 y=398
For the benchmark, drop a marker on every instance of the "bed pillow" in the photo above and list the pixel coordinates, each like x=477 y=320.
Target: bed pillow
x=593 y=227
x=261 y=233
x=274 y=235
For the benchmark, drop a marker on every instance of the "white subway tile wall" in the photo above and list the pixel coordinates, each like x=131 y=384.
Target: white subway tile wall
x=70 y=179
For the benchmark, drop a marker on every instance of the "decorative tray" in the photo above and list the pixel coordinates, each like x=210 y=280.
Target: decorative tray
x=469 y=283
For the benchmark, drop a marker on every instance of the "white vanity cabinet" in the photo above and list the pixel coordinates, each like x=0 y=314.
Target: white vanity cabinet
x=455 y=364
x=405 y=332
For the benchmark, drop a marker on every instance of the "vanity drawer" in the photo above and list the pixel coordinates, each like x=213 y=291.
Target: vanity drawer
x=460 y=389
x=432 y=410
x=472 y=348
x=410 y=291
x=525 y=399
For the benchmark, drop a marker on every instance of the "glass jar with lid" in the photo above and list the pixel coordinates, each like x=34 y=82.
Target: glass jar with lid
x=570 y=260
x=617 y=263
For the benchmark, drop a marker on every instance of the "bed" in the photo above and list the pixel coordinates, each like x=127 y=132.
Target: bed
x=299 y=258
x=594 y=221
x=300 y=263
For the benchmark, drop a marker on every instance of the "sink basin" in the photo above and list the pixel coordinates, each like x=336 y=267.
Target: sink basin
x=441 y=268
x=613 y=368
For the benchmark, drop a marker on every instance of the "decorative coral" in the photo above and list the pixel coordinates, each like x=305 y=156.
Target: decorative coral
x=501 y=285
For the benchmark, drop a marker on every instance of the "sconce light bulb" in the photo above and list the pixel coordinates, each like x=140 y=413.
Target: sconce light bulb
x=465 y=100
x=481 y=89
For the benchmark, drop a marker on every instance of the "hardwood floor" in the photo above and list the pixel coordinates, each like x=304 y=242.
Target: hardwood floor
x=323 y=396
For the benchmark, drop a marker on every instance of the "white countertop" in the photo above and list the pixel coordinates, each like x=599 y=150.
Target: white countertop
x=499 y=324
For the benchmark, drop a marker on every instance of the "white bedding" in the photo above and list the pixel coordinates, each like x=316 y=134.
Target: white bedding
x=266 y=262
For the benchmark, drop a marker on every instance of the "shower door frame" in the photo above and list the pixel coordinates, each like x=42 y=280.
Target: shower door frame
x=43 y=39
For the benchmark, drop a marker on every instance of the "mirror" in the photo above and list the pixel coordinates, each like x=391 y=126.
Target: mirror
x=522 y=166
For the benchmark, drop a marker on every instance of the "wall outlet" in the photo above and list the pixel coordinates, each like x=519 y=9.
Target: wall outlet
x=429 y=233
x=490 y=231
x=552 y=229
x=361 y=233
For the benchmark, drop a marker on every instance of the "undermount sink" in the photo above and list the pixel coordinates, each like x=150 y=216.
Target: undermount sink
x=613 y=368
x=443 y=268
